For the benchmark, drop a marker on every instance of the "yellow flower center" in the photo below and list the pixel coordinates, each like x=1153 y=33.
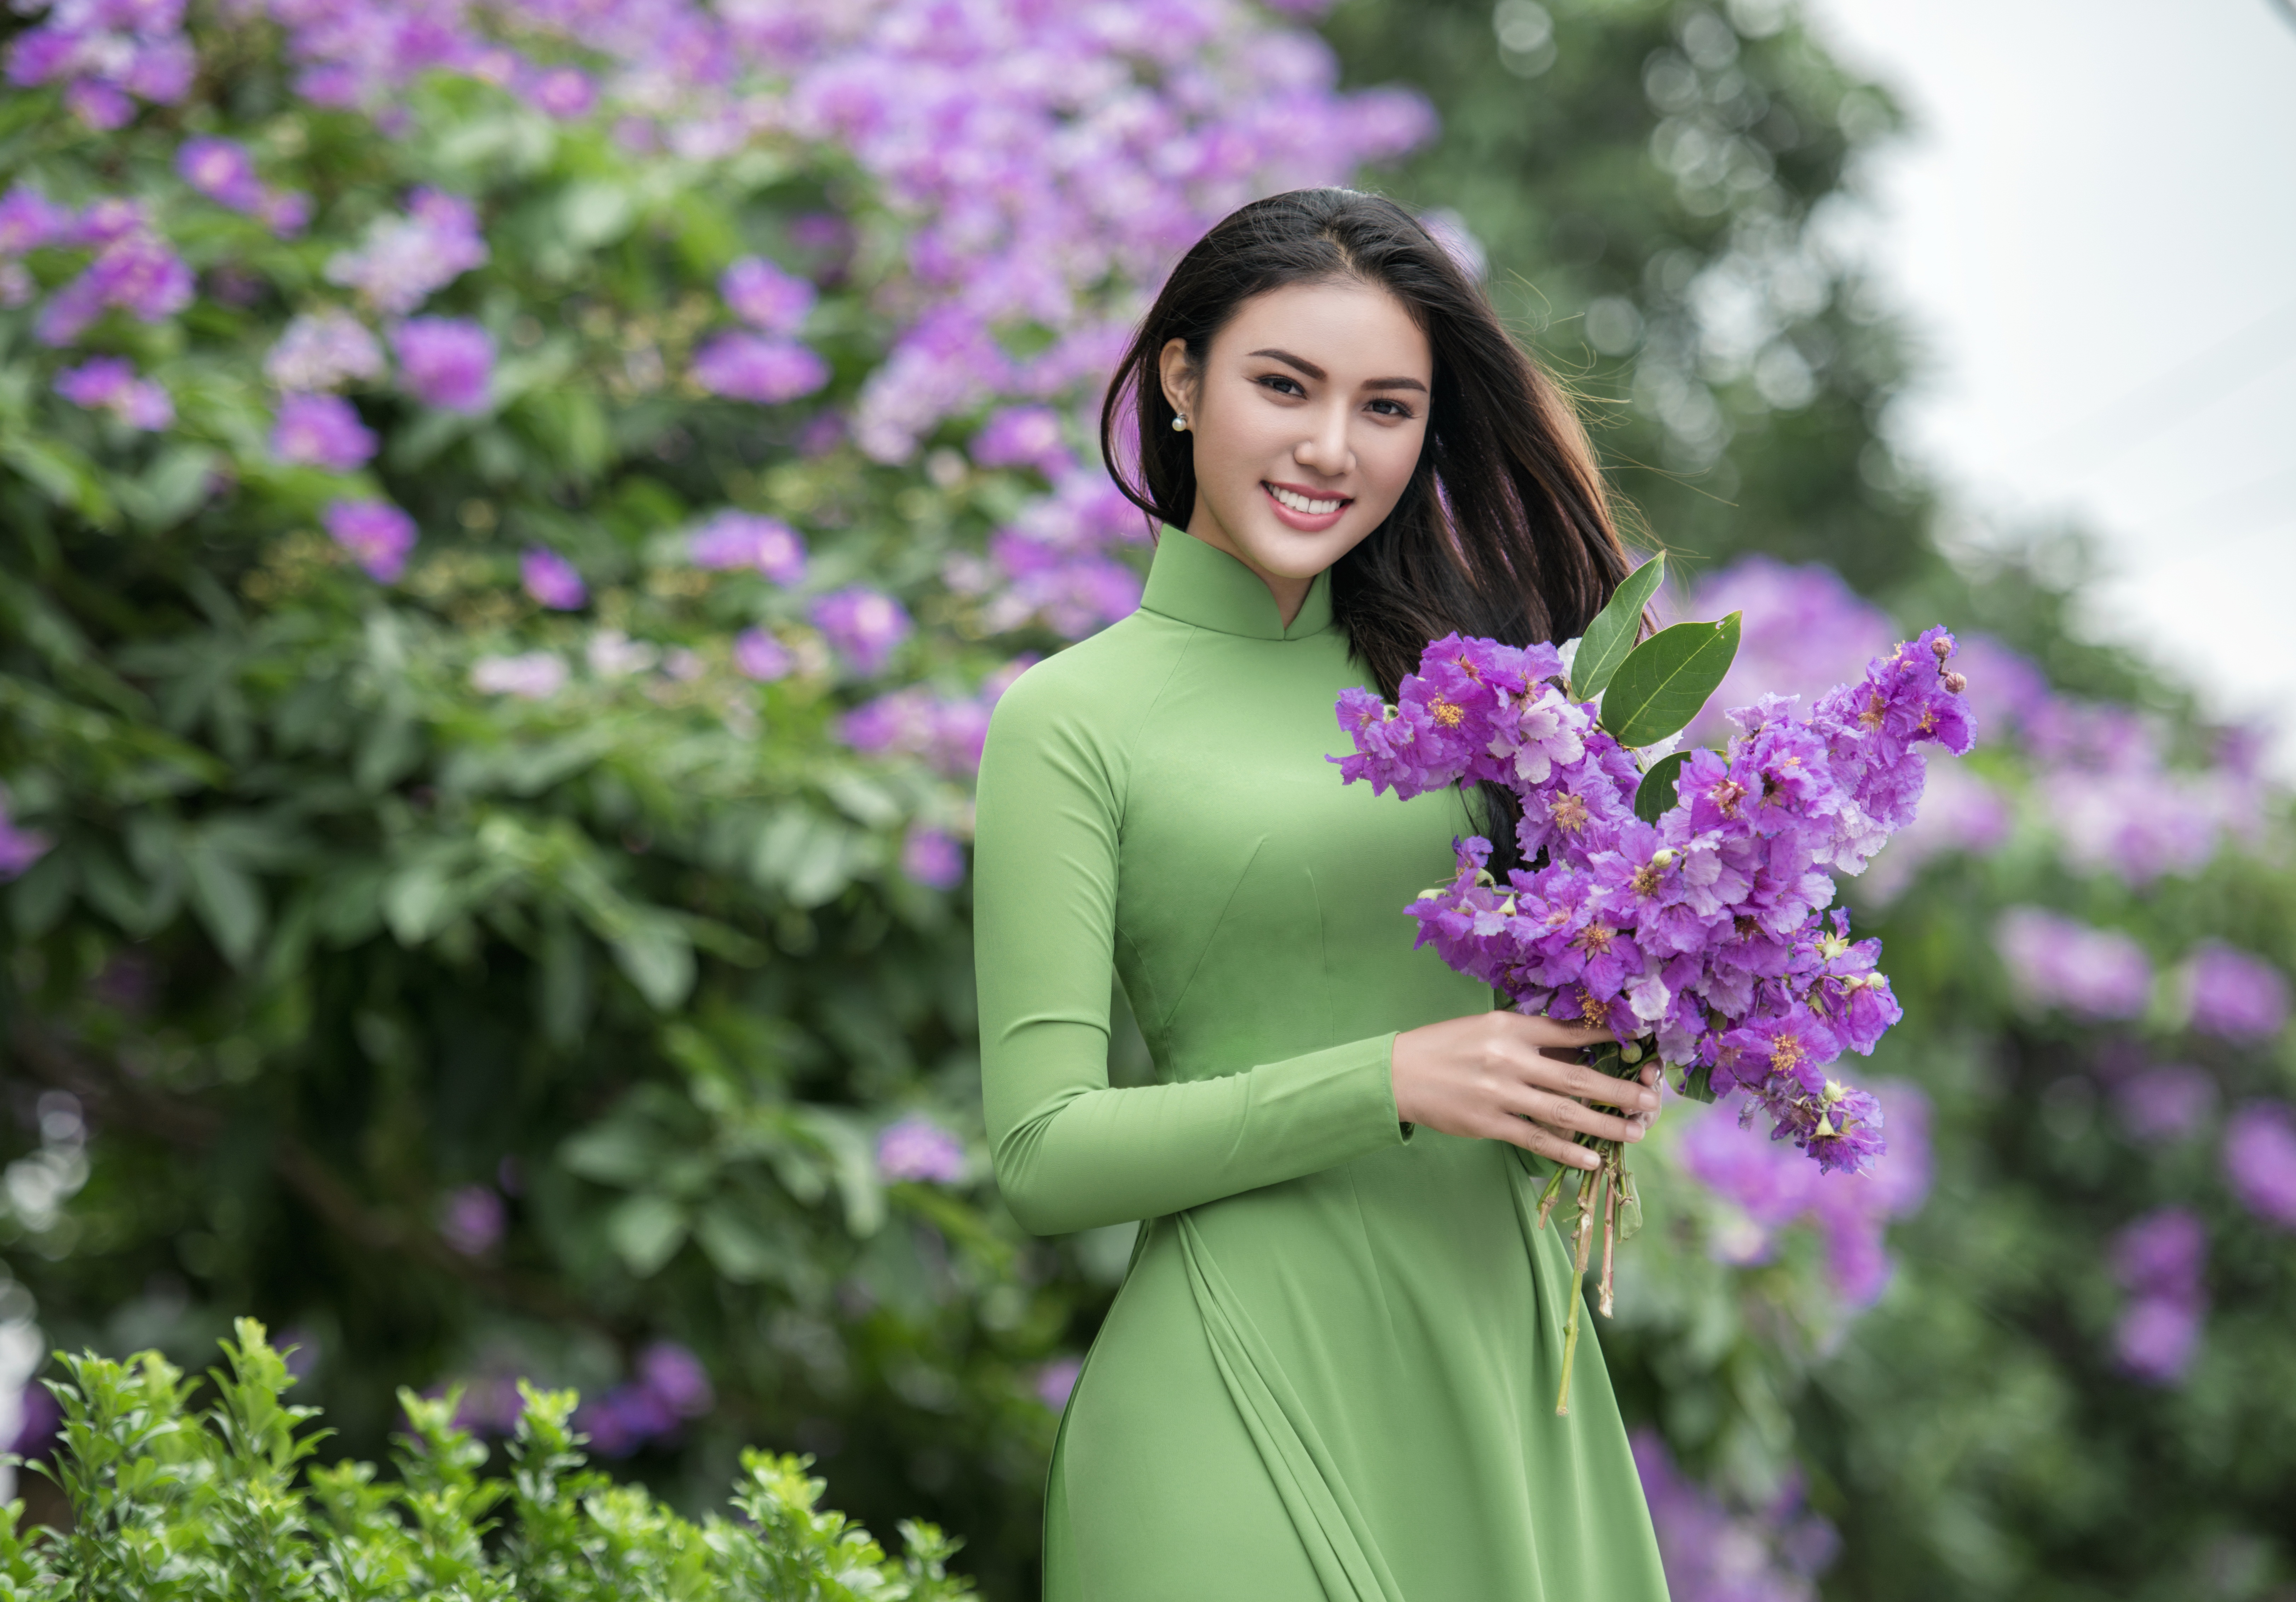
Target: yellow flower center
x=1445 y=712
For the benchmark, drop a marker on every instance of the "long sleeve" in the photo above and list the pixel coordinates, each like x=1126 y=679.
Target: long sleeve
x=1072 y=1152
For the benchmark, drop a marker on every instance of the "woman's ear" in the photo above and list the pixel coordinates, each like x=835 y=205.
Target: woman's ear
x=1178 y=377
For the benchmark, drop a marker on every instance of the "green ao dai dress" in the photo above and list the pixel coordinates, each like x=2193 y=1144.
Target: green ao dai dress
x=1329 y=1373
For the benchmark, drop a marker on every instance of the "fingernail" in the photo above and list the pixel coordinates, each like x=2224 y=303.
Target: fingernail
x=1649 y=1102
x=1634 y=1131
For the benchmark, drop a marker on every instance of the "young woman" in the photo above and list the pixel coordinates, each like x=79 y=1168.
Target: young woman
x=1331 y=1372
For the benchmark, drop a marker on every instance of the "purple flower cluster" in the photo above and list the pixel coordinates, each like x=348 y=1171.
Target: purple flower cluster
x=1052 y=563
x=669 y=1387
x=932 y=858
x=761 y=656
x=2059 y=962
x=765 y=297
x=444 y=362
x=2234 y=996
x=377 y=534
x=2259 y=1160
x=862 y=625
x=20 y=847
x=945 y=732
x=108 y=54
x=407 y=259
x=1716 y=1553
x=2157 y=1260
x=471 y=1218
x=551 y=580
x=1709 y=928
x=1055 y=1381
x=108 y=384
x=1771 y=1189
x=918 y=1148
x=134 y=271
x=758 y=368
x=321 y=350
x=323 y=430
x=222 y=170
x=733 y=539
x=1023 y=436
x=2103 y=773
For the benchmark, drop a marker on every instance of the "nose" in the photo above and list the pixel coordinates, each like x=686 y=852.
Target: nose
x=1324 y=449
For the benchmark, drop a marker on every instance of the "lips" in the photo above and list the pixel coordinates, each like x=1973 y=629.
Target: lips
x=1305 y=509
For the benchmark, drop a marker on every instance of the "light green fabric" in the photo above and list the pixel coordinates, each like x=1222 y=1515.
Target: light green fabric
x=1331 y=1371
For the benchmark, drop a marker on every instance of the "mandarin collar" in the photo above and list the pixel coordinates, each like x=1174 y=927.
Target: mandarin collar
x=1192 y=582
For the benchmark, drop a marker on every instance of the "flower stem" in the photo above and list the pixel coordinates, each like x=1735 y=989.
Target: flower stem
x=1613 y=1193
x=1594 y=1196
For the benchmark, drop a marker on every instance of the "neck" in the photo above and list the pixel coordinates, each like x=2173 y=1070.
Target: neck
x=1290 y=594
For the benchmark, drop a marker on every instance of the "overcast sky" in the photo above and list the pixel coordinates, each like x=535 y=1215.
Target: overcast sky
x=2095 y=225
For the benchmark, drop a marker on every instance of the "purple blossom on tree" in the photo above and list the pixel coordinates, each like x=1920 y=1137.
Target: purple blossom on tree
x=108 y=384
x=444 y=362
x=765 y=297
x=754 y=367
x=472 y=1220
x=406 y=259
x=2165 y=1104
x=105 y=51
x=321 y=350
x=1022 y=436
x=564 y=92
x=1055 y=1382
x=20 y=847
x=2055 y=961
x=932 y=858
x=377 y=534
x=760 y=656
x=743 y=539
x=323 y=430
x=2236 y=996
x=2259 y=1160
x=222 y=170
x=1715 y=1553
x=918 y=1148
x=551 y=580
x=28 y=220
x=863 y=625
x=135 y=272
x=2158 y=1260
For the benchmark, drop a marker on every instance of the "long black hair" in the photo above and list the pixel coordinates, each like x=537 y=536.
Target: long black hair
x=1505 y=529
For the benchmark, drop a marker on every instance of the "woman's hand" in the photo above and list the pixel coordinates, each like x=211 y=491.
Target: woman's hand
x=1504 y=1076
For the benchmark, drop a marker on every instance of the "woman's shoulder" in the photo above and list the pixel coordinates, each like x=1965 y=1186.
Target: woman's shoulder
x=1101 y=686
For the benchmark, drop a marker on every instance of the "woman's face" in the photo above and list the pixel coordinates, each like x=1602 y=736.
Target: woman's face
x=1307 y=418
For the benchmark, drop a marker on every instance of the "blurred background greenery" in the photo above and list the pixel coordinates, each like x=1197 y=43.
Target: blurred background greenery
x=473 y=985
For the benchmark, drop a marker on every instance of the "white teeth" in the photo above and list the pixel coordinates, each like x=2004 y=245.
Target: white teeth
x=1300 y=503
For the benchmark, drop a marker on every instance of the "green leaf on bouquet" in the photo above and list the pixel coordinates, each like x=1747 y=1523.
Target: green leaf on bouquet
x=1611 y=635
x=1697 y=1084
x=1659 y=786
x=1665 y=680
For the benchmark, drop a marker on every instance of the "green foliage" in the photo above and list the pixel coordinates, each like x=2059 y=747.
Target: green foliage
x=173 y=1505
x=1614 y=631
x=1666 y=681
x=1659 y=788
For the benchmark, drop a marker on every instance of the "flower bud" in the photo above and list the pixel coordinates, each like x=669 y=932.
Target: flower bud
x=1942 y=646
x=1956 y=683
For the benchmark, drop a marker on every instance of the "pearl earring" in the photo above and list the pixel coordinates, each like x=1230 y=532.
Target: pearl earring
x=1180 y=424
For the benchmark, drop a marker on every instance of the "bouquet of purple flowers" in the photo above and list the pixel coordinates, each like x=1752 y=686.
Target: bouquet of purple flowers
x=1677 y=898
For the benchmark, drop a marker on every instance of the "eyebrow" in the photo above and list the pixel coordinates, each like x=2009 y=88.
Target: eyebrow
x=1319 y=375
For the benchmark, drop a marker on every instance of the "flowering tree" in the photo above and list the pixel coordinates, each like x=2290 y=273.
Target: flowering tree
x=513 y=517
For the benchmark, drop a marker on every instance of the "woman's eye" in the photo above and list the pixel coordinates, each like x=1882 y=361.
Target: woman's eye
x=1281 y=384
x=1391 y=408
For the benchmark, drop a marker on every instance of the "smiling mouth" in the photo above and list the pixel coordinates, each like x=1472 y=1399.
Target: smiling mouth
x=1309 y=505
